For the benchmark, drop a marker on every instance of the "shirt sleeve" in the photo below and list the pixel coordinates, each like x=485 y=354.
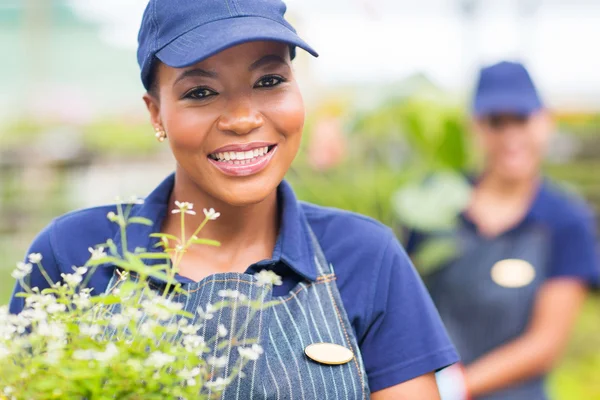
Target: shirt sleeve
x=42 y=244
x=405 y=338
x=574 y=251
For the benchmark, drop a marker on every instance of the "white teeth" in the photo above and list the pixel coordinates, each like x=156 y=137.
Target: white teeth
x=240 y=155
x=236 y=162
x=232 y=155
x=226 y=156
x=255 y=152
x=249 y=154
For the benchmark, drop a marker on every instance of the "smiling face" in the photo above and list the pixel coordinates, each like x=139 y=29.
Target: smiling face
x=514 y=146
x=234 y=121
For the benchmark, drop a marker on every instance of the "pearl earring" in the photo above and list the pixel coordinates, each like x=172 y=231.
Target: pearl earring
x=160 y=135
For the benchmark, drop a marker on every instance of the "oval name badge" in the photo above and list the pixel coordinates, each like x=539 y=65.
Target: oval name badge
x=513 y=273
x=328 y=353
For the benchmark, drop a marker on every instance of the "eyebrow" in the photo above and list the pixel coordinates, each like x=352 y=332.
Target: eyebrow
x=196 y=72
x=268 y=59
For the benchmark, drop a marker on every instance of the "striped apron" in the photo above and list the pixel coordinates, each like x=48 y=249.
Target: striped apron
x=312 y=312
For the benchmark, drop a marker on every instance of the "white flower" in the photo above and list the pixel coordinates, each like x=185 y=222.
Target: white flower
x=234 y=294
x=217 y=362
x=89 y=330
x=112 y=217
x=257 y=348
x=184 y=207
x=72 y=279
x=188 y=373
x=194 y=343
x=189 y=329
x=211 y=214
x=23 y=269
x=97 y=254
x=267 y=277
x=110 y=352
x=35 y=258
x=55 y=308
x=208 y=314
x=84 y=354
x=82 y=300
x=147 y=328
x=136 y=200
x=219 y=383
x=118 y=320
x=51 y=330
x=158 y=359
x=80 y=270
x=221 y=330
x=249 y=352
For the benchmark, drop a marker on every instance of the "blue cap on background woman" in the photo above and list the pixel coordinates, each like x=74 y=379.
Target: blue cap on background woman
x=526 y=252
x=222 y=93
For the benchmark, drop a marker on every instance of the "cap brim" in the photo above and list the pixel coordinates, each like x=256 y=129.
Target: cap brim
x=506 y=104
x=209 y=39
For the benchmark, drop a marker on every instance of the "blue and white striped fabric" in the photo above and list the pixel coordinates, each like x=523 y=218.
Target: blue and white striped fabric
x=311 y=313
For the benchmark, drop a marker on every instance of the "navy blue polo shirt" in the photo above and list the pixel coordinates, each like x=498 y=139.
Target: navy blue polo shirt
x=396 y=324
x=486 y=293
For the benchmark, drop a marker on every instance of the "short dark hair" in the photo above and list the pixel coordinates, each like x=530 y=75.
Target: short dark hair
x=153 y=78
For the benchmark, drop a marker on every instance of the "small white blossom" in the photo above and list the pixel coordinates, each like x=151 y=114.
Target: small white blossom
x=22 y=270
x=112 y=217
x=218 y=384
x=84 y=354
x=194 y=343
x=4 y=352
x=257 y=348
x=267 y=277
x=56 y=308
x=80 y=270
x=72 y=279
x=118 y=320
x=189 y=329
x=8 y=390
x=97 y=254
x=109 y=353
x=211 y=214
x=208 y=314
x=35 y=258
x=250 y=353
x=234 y=294
x=217 y=362
x=221 y=330
x=89 y=330
x=82 y=300
x=184 y=207
x=158 y=359
x=51 y=330
x=189 y=374
x=147 y=328
x=136 y=200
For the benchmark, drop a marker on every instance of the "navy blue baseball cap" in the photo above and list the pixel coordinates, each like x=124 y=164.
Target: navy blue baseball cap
x=181 y=33
x=505 y=88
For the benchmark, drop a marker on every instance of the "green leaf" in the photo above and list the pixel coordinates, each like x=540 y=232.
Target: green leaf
x=161 y=235
x=207 y=242
x=106 y=300
x=140 y=220
x=154 y=256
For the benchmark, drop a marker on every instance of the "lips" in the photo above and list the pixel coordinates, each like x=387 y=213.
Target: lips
x=243 y=160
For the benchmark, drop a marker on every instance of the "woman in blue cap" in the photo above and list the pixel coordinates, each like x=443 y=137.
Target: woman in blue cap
x=221 y=90
x=526 y=253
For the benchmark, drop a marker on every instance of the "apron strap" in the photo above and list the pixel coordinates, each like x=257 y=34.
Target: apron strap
x=323 y=267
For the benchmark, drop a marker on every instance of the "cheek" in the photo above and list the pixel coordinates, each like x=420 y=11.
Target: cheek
x=287 y=115
x=187 y=128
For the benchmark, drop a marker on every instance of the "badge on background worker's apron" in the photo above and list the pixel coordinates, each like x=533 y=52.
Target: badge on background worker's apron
x=513 y=273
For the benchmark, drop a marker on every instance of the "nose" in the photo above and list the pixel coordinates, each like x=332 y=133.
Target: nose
x=240 y=117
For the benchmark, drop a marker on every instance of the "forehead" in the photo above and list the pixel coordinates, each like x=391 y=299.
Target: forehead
x=238 y=57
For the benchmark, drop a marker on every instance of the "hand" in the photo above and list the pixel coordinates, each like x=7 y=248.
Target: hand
x=451 y=383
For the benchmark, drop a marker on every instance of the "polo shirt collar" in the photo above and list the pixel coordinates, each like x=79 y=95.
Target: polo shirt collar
x=293 y=248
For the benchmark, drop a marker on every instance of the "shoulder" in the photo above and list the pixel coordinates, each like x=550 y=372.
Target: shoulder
x=69 y=236
x=347 y=227
x=563 y=209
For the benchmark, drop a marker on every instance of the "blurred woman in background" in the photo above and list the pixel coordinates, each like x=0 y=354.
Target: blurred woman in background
x=525 y=253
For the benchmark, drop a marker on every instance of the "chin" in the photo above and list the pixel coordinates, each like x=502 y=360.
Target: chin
x=240 y=192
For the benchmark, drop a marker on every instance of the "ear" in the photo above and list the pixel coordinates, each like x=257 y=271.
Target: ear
x=153 y=106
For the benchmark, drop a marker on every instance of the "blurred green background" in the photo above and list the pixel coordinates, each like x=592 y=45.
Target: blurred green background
x=74 y=132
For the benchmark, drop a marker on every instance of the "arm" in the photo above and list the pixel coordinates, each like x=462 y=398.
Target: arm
x=422 y=387
x=536 y=351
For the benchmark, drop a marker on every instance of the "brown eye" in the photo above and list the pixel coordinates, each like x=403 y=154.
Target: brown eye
x=269 y=81
x=199 y=93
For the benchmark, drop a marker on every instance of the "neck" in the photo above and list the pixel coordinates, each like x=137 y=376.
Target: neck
x=237 y=226
x=508 y=188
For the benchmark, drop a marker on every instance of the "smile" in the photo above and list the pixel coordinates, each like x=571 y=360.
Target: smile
x=243 y=160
